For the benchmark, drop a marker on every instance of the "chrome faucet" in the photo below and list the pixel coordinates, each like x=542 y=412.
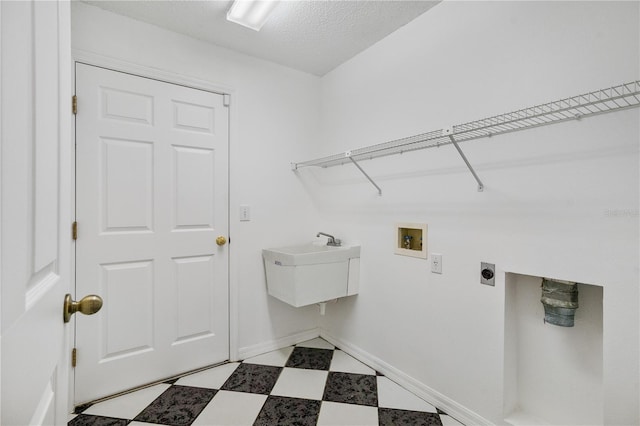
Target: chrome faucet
x=332 y=240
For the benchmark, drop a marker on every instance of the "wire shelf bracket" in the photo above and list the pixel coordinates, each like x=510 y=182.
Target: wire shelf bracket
x=616 y=98
x=355 y=163
x=449 y=132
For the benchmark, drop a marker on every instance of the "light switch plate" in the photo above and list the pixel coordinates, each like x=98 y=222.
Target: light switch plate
x=436 y=263
x=245 y=213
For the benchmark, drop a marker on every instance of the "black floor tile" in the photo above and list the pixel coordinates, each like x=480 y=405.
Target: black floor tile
x=284 y=411
x=393 y=417
x=80 y=408
x=178 y=405
x=361 y=389
x=85 y=420
x=253 y=378
x=310 y=358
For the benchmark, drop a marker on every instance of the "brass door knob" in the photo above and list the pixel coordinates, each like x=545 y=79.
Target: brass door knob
x=88 y=305
x=221 y=241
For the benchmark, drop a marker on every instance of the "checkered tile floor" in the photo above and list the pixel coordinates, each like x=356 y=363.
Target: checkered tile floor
x=312 y=383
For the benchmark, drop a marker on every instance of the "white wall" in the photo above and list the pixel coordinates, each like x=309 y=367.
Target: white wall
x=560 y=201
x=274 y=117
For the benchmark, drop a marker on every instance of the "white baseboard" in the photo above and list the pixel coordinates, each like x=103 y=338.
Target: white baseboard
x=433 y=397
x=273 y=345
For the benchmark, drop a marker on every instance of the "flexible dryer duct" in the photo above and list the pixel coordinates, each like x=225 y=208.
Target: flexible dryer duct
x=560 y=301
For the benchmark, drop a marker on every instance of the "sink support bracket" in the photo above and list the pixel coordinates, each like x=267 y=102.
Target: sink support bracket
x=464 y=158
x=348 y=155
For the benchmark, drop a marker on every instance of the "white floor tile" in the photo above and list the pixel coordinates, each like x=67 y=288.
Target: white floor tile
x=276 y=358
x=127 y=406
x=318 y=343
x=334 y=414
x=71 y=417
x=212 y=378
x=141 y=424
x=392 y=395
x=301 y=383
x=449 y=421
x=347 y=364
x=231 y=409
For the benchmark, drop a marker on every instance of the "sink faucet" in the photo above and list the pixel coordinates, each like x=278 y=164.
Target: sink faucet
x=332 y=240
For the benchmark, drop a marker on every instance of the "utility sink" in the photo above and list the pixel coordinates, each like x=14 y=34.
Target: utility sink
x=312 y=273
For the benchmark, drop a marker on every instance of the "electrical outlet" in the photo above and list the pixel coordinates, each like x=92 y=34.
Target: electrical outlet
x=487 y=273
x=436 y=263
x=245 y=213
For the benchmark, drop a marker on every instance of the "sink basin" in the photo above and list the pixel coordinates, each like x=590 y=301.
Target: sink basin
x=311 y=273
x=309 y=254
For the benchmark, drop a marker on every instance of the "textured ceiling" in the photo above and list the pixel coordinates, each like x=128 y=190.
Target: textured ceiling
x=314 y=36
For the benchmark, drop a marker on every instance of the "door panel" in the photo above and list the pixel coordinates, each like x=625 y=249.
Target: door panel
x=152 y=184
x=128 y=287
x=35 y=211
x=127 y=185
x=192 y=277
x=194 y=188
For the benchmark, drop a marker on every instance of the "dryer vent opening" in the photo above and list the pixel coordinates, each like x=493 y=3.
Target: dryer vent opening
x=560 y=301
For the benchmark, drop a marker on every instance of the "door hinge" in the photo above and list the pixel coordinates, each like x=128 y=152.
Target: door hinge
x=74 y=230
x=226 y=100
x=74 y=104
x=74 y=357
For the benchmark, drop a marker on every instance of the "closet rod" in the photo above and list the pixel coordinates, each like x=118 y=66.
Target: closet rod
x=621 y=97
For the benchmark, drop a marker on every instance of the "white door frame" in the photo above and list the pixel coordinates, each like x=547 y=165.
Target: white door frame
x=114 y=64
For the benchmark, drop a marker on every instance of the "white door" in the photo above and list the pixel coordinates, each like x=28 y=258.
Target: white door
x=151 y=199
x=36 y=211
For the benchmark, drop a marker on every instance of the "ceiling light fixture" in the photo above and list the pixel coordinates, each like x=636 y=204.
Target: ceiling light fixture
x=251 y=13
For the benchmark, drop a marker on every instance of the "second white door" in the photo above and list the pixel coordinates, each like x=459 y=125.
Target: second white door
x=152 y=197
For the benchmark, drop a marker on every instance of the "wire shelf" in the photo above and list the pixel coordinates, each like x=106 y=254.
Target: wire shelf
x=589 y=104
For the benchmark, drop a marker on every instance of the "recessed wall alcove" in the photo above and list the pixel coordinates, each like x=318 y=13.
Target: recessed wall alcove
x=552 y=374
